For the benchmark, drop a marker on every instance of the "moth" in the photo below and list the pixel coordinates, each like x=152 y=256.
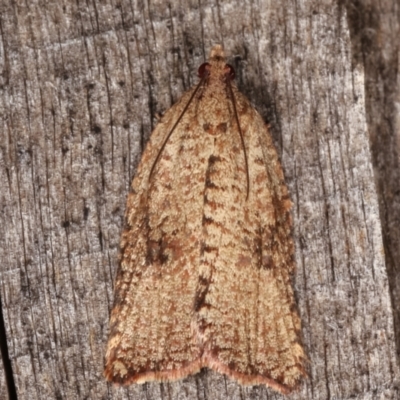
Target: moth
x=207 y=255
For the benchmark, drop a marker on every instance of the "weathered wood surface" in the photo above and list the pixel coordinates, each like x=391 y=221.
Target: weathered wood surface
x=80 y=86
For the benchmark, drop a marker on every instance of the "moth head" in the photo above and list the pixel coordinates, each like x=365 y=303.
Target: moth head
x=205 y=69
x=216 y=65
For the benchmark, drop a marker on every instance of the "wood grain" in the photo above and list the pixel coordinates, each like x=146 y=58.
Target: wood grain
x=81 y=85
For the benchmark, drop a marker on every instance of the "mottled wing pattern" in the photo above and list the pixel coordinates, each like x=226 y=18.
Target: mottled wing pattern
x=204 y=274
x=245 y=305
x=150 y=323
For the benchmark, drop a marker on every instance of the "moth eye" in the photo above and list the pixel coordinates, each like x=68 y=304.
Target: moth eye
x=229 y=71
x=203 y=69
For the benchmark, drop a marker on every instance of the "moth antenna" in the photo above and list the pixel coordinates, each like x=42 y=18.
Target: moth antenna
x=229 y=76
x=203 y=78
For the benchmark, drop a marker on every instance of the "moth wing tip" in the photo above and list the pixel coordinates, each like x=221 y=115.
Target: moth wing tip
x=122 y=377
x=253 y=379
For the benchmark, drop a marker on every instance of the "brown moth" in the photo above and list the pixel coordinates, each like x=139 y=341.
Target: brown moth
x=204 y=276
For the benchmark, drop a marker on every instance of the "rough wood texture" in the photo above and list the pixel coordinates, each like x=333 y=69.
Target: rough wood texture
x=80 y=85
